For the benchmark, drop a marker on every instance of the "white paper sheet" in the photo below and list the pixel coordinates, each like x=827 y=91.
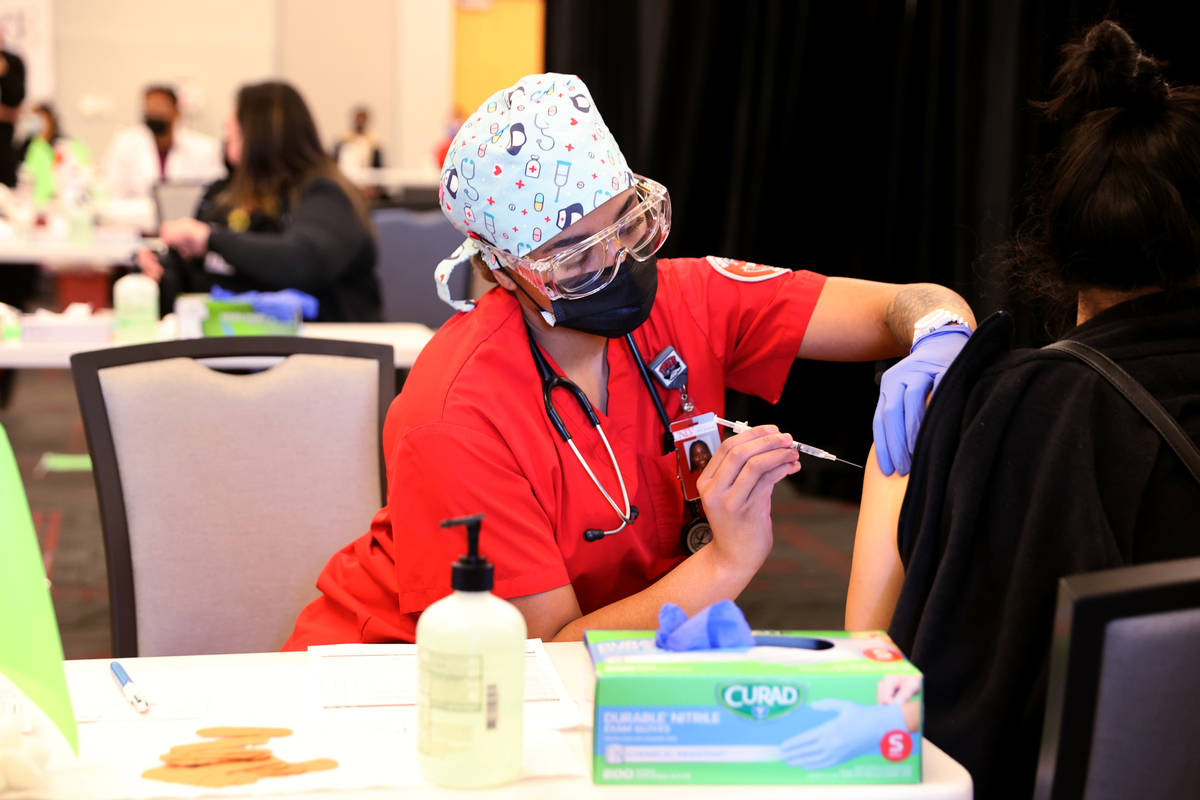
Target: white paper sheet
x=368 y=675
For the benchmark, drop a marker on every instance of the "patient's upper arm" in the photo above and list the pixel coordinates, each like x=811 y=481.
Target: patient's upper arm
x=876 y=572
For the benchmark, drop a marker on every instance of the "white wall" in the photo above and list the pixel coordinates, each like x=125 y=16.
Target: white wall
x=340 y=66
x=394 y=55
x=424 y=67
x=106 y=52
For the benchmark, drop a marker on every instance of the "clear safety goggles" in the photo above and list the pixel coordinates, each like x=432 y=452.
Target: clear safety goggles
x=584 y=267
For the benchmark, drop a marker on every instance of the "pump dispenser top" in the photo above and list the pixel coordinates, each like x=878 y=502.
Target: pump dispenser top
x=472 y=572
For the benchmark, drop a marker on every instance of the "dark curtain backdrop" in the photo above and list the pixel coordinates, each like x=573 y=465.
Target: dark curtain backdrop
x=883 y=140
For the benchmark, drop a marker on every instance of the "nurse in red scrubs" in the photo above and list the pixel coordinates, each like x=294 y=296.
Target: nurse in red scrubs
x=562 y=402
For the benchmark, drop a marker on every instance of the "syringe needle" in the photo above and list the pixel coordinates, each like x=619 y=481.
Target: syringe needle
x=819 y=453
x=807 y=449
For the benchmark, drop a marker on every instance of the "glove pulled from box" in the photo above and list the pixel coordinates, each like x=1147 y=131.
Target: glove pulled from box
x=720 y=625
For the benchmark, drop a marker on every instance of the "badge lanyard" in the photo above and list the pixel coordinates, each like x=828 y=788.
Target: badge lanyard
x=671 y=371
x=694 y=440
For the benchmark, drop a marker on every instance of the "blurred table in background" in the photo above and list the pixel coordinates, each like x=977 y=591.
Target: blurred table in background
x=396 y=178
x=406 y=338
x=81 y=267
x=401 y=187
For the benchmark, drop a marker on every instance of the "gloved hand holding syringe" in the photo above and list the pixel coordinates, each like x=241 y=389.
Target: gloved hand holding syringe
x=808 y=449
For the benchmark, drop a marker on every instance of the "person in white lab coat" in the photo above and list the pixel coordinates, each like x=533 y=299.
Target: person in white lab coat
x=358 y=150
x=160 y=149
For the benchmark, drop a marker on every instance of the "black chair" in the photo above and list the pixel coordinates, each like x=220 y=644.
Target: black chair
x=222 y=495
x=1123 y=700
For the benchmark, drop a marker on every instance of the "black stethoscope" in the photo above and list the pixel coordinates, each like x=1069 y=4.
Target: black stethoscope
x=551 y=381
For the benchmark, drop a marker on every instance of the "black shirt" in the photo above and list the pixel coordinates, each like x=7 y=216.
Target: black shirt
x=12 y=94
x=320 y=247
x=1029 y=467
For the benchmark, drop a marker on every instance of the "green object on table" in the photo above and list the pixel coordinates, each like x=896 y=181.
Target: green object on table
x=31 y=653
x=65 y=462
x=227 y=318
x=799 y=707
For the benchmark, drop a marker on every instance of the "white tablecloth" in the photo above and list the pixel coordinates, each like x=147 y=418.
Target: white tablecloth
x=280 y=693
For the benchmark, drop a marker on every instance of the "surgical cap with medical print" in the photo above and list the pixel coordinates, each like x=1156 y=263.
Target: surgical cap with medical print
x=531 y=161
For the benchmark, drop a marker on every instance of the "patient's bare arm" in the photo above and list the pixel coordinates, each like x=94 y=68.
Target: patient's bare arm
x=875 y=571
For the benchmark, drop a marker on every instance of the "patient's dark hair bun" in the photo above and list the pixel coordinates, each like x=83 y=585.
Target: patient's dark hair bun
x=1106 y=69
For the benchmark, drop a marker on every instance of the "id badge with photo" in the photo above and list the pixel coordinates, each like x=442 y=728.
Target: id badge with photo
x=696 y=440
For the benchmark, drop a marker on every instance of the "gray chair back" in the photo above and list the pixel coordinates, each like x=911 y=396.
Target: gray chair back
x=411 y=243
x=175 y=199
x=223 y=496
x=1145 y=738
x=1123 y=701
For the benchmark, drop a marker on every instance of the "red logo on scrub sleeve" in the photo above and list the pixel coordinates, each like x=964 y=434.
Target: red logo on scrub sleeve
x=895 y=745
x=744 y=271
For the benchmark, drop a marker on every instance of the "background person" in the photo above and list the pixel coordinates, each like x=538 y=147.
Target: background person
x=358 y=150
x=41 y=123
x=160 y=149
x=18 y=282
x=568 y=232
x=1030 y=465
x=12 y=94
x=286 y=218
x=46 y=148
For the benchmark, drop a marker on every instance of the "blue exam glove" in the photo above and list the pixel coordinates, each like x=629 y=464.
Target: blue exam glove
x=720 y=625
x=902 y=393
x=281 y=305
x=855 y=731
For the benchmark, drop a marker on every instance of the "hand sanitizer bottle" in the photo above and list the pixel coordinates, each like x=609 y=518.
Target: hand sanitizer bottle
x=471 y=678
x=135 y=309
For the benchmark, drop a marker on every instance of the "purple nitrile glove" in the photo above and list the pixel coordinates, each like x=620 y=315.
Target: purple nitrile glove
x=281 y=305
x=720 y=625
x=308 y=304
x=903 y=391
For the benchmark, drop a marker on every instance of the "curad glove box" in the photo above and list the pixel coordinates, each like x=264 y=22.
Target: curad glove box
x=799 y=707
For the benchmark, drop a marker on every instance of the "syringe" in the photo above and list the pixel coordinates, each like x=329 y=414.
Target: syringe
x=807 y=449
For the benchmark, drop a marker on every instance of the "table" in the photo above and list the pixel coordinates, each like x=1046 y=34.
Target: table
x=396 y=177
x=406 y=338
x=100 y=254
x=81 y=269
x=279 y=677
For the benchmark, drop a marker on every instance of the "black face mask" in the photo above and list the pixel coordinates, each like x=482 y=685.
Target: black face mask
x=618 y=308
x=157 y=126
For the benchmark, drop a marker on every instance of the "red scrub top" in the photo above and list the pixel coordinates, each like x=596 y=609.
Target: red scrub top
x=469 y=434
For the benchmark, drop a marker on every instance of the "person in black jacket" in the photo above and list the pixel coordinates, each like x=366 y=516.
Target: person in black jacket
x=12 y=94
x=286 y=218
x=1029 y=465
x=18 y=282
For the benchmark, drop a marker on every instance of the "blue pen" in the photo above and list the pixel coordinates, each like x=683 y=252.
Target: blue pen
x=129 y=689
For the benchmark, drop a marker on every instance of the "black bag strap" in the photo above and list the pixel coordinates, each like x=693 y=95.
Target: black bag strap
x=1141 y=399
